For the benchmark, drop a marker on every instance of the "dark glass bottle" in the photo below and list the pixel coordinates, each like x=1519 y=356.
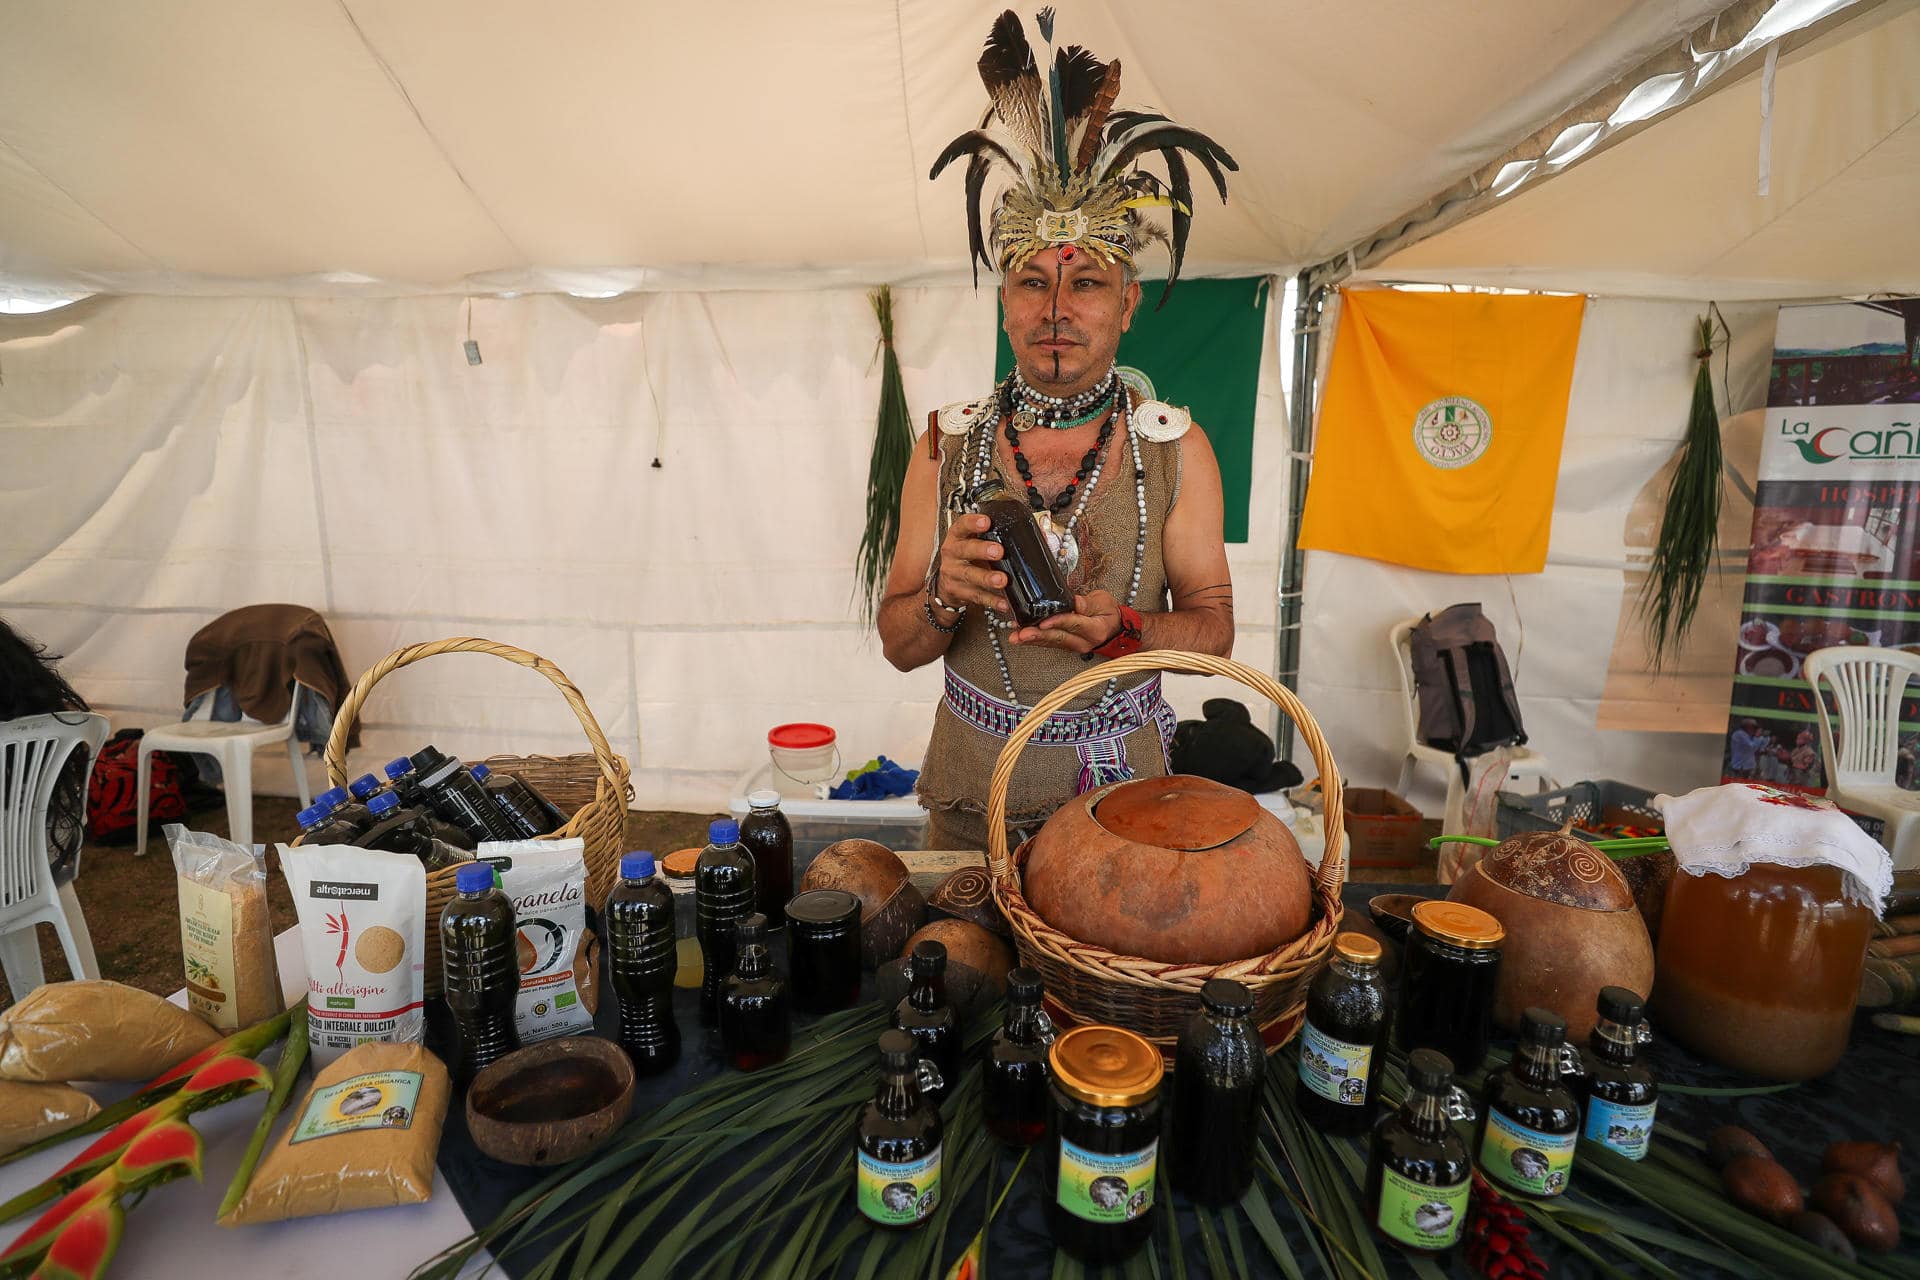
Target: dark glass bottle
x=722 y=896
x=1622 y=1093
x=366 y=787
x=823 y=950
x=642 y=961
x=344 y=808
x=769 y=838
x=1101 y=1153
x=479 y=970
x=398 y=829
x=318 y=827
x=1341 y=1039
x=897 y=1164
x=1449 y=971
x=1419 y=1175
x=756 y=1017
x=1218 y=1066
x=1035 y=589
x=522 y=801
x=526 y=825
x=455 y=796
x=1531 y=1121
x=402 y=780
x=404 y=784
x=924 y=1014
x=1015 y=1075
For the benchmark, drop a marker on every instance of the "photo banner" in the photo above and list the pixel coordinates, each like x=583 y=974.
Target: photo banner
x=1835 y=556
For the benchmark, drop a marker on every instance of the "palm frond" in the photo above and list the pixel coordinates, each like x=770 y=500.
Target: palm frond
x=887 y=467
x=1690 y=524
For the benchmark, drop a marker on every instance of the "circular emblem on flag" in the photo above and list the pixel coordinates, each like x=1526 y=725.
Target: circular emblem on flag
x=1452 y=432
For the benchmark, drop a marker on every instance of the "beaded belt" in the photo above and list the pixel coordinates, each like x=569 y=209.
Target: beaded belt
x=1097 y=734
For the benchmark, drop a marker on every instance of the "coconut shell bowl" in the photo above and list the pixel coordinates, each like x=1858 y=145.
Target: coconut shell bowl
x=1134 y=895
x=551 y=1102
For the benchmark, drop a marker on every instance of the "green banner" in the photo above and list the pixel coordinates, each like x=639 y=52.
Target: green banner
x=1202 y=352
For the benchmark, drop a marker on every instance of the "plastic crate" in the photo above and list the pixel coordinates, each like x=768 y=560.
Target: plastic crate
x=1587 y=803
x=898 y=823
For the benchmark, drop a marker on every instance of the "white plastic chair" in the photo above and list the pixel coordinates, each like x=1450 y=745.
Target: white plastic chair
x=33 y=750
x=1527 y=763
x=232 y=743
x=1868 y=685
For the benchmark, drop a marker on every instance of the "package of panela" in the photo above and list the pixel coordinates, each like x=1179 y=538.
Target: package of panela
x=93 y=1029
x=226 y=931
x=546 y=880
x=363 y=930
x=30 y=1112
x=365 y=1138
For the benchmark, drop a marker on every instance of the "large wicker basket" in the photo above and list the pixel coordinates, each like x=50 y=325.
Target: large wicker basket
x=1087 y=983
x=592 y=788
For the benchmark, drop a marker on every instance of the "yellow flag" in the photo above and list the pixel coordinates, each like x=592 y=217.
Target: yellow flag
x=1440 y=429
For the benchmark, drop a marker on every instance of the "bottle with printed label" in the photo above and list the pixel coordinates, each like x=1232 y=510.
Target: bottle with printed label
x=897 y=1162
x=642 y=961
x=723 y=895
x=345 y=808
x=526 y=808
x=480 y=969
x=1217 y=1070
x=1014 y=1077
x=454 y=795
x=1341 y=1039
x=317 y=826
x=1532 y=1120
x=769 y=838
x=756 y=1017
x=1102 y=1148
x=1419 y=1175
x=1621 y=1092
x=924 y=1014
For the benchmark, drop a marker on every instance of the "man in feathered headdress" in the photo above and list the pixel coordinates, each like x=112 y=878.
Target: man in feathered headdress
x=1124 y=492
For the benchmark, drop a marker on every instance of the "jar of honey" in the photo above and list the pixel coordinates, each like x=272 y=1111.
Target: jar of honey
x=1759 y=972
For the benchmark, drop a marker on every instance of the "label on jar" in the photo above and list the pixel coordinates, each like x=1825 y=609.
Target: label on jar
x=1524 y=1159
x=1334 y=1069
x=1106 y=1188
x=1421 y=1216
x=898 y=1195
x=1623 y=1126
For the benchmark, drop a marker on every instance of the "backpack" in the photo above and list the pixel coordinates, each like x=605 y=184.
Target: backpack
x=1465 y=702
x=111 y=794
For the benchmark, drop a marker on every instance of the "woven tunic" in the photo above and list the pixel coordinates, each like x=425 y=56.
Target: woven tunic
x=1085 y=744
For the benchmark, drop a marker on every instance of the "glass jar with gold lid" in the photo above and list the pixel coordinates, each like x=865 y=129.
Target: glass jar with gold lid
x=1103 y=1142
x=1447 y=982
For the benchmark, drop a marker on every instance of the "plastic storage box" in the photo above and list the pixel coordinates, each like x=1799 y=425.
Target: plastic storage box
x=898 y=824
x=1589 y=804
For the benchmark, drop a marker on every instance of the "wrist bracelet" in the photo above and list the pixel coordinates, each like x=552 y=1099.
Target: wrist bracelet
x=944 y=628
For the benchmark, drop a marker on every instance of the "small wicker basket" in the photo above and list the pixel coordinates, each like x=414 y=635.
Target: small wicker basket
x=1087 y=983
x=592 y=788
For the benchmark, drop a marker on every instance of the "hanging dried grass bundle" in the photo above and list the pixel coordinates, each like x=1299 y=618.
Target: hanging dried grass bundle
x=892 y=447
x=1690 y=525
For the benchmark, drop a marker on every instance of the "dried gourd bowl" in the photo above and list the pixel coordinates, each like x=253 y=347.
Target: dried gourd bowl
x=1088 y=982
x=550 y=1102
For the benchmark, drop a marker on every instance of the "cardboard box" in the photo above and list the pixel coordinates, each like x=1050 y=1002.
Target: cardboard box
x=1383 y=830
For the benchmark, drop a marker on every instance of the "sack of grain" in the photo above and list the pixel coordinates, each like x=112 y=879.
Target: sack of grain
x=226 y=931
x=96 y=1030
x=30 y=1112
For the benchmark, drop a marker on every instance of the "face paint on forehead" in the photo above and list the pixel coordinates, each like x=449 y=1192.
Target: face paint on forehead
x=1066 y=253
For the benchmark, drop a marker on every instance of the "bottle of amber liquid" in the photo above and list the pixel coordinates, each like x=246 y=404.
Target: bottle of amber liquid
x=1419 y=1175
x=768 y=836
x=1014 y=1078
x=756 y=1020
x=1217 y=1069
x=1621 y=1092
x=897 y=1165
x=1532 y=1119
x=924 y=1014
x=1035 y=588
x=1340 y=1040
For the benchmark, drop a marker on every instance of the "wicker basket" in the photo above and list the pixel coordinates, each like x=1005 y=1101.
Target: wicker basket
x=1086 y=982
x=592 y=788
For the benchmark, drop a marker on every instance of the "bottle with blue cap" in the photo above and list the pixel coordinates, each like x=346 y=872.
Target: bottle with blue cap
x=345 y=808
x=318 y=826
x=478 y=965
x=643 y=957
x=532 y=812
x=402 y=780
x=398 y=829
x=723 y=894
x=366 y=787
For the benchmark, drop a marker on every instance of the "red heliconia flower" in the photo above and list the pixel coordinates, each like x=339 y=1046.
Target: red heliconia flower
x=86 y=1244
x=1496 y=1237
x=170 y=1147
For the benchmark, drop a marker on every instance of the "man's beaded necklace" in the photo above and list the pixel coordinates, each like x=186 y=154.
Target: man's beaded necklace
x=1059 y=413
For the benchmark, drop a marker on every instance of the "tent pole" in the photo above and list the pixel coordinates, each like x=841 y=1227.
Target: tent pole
x=1309 y=306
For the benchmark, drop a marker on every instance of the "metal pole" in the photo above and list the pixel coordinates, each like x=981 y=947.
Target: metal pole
x=1309 y=305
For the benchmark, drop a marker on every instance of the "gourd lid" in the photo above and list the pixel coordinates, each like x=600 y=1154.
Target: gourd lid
x=1357 y=947
x=1459 y=924
x=823 y=906
x=680 y=864
x=1177 y=812
x=1106 y=1066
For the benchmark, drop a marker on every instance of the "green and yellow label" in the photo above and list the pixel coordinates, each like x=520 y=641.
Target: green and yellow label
x=1420 y=1216
x=377 y=1100
x=1334 y=1069
x=1526 y=1160
x=898 y=1195
x=1103 y=1188
x=1623 y=1126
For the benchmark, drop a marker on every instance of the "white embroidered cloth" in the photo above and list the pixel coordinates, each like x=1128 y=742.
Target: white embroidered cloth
x=1724 y=830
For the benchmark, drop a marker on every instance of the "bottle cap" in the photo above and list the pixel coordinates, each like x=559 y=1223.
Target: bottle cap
x=1466 y=927
x=384 y=803
x=1106 y=1066
x=473 y=877
x=768 y=799
x=332 y=797
x=929 y=957
x=636 y=866
x=1358 y=948
x=723 y=831
x=480 y=772
x=681 y=864
x=311 y=816
x=1226 y=997
x=427 y=759
x=1617 y=1004
x=823 y=907
x=398 y=768
x=751 y=930
x=363 y=786
x=1542 y=1026
x=1023 y=985
x=897 y=1049
x=1429 y=1071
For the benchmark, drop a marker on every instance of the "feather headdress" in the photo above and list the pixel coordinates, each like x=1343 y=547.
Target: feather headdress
x=1072 y=158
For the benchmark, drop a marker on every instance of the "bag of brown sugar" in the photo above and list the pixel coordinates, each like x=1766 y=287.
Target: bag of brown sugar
x=363 y=926
x=30 y=1112
x=94 y=1029
x=365 y=1138
x=226 y=931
